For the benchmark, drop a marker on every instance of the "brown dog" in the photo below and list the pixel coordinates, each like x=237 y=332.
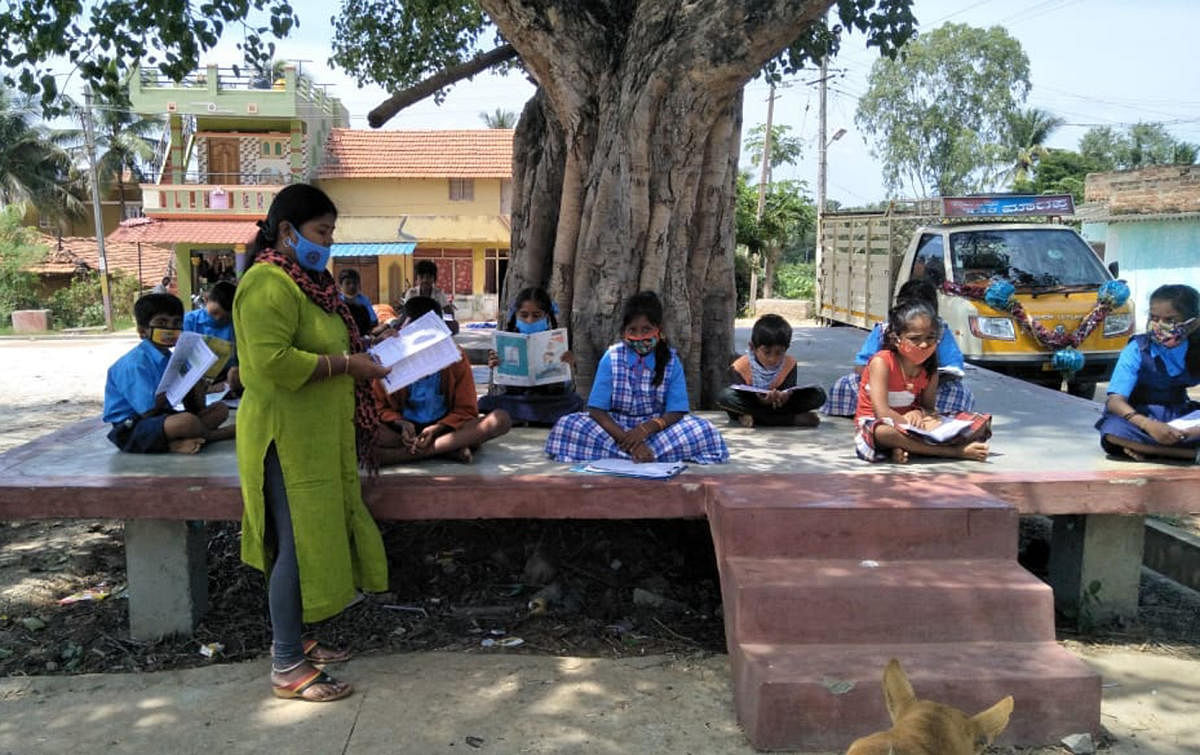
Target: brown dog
x=922 y=727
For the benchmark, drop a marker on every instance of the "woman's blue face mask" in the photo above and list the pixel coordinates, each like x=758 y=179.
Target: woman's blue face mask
x=535 y=326
x=310 y=255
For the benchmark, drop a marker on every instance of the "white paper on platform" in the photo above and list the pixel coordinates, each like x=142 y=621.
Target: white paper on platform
x=534 y=359
x=190 y=359
x=629 y=468
x=948 y=430
x=421 y=348
x=1186 y=422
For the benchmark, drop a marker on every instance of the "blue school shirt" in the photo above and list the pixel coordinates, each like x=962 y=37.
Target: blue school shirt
x=132 y=381
x=948 y=353
x=1128 y=372
x=426 y=404
x=602 y=387
x=200 y=321
x=361 y=300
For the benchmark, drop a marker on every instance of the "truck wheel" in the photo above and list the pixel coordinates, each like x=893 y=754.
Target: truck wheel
x=1082 y=389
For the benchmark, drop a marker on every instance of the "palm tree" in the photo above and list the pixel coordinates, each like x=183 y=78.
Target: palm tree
x=1028 y=131
x=125 y=143
x=35 y=165
x=500 y=118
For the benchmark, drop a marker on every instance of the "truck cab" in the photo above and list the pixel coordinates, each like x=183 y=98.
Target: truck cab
x=1056 y=277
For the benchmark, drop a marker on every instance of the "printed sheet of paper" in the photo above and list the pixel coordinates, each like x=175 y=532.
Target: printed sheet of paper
x=423 y=347
x=532 y=359
x=629 y=468
x=751 y=389
x=190 y=359
x=948 y=430
x=1186 y=422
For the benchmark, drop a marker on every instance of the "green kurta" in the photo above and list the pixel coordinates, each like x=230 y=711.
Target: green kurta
x=280 y=332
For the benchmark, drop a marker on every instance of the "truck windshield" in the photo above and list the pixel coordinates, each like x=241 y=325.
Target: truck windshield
x=1030 y=258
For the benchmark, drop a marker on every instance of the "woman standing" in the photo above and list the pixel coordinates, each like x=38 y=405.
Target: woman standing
x=307 y=397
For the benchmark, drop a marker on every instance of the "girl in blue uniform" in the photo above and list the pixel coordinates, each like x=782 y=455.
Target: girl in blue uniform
x=638 y=407
x=1149 y=384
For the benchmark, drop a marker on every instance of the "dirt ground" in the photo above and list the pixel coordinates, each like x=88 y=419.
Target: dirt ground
x=570 y=589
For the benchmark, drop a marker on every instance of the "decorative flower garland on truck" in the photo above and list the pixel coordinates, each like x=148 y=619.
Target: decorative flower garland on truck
x=999 y=294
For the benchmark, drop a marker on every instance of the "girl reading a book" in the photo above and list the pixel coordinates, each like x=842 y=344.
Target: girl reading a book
x=1148 y=390
x=899 y=391
x=638 y=407
x=531 y=312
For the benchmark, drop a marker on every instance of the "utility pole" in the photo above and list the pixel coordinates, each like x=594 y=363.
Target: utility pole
x=763 y=177
x=97 y=212
x=822 y=145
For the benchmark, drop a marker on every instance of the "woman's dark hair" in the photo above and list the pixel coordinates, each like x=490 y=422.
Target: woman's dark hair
x=297 y=204
x=538 y=296
x=647 y=304
x=222 y=293
x=426 y=267
x=1186 y=301
x=900 y=316
x=149 y=305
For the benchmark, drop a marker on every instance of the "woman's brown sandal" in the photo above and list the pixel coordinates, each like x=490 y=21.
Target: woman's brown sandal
x=296 y=690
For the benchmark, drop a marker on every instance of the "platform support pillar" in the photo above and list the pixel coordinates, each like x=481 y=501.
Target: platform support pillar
x=166 y=565
x=1096 y=566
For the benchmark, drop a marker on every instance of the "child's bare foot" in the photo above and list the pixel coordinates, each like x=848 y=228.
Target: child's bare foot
x=186 y=445
x=977 y=451
x=806 y=419
x=461 y=455
x=1133 y=454
x=899 y=456
x=745 y=420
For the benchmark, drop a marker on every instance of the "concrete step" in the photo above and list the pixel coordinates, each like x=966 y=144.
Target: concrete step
x=822 y=697
x=842 y=517
x=845 y=601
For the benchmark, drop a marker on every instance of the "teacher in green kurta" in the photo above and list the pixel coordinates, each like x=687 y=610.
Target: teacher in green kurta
x=305 y=420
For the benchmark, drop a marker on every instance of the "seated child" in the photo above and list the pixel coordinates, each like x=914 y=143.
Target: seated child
x=1149 y=385
x=953 y=394
x=349 y=283
x=426 y=272
x=532 y=312
x=899 y=388
x=438 y=414
x=767 y=365
x=142 y=421
x=638 y=406
x=215 y=319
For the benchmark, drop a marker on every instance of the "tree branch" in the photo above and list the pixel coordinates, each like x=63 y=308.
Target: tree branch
x=397 y=102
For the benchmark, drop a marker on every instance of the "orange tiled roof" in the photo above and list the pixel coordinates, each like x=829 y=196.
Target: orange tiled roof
x=477 y=153
x=150 y=230
x=74 y=253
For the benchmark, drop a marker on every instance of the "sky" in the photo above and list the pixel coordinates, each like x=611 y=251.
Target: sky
x=1092 y=62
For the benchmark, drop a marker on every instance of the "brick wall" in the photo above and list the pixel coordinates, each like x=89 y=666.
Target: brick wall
x=1162 y=188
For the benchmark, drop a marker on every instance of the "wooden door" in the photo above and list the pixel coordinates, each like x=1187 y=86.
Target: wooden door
x=224 y=161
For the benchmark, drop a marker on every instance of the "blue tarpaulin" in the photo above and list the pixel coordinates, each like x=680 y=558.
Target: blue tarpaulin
x=373 y=248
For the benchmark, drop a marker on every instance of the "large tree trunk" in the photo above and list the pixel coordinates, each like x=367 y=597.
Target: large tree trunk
x=626 y=162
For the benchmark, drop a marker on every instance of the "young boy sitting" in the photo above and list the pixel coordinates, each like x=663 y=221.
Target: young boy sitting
x=767 y=366
x=438 y=415
x=142 y=420
x=215 y=319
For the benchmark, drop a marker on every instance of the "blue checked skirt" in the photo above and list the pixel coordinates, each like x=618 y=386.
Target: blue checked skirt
x=953 y=396
x=577 y=437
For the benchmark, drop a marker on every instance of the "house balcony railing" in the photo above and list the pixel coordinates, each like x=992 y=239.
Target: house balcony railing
x=264 y=177
x=208 y=199
x=220 y=90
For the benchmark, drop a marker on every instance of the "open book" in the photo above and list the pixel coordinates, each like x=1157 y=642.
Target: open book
x=224 y=351
x=532 y=359
x=1187 y=422
x=421 y=348
x=752 y=389
x=947 y=431
x=190 y=360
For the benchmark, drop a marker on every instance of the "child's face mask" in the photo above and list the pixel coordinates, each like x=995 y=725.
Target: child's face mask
x=534 y=326
x=914 y=353
x=1169 y=334
x=164 y=336
x=644 y=345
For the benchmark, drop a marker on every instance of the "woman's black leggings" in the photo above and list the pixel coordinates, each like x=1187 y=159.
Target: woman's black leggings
x=283 y=593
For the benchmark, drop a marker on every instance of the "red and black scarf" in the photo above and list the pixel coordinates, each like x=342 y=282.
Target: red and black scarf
x=323 y=292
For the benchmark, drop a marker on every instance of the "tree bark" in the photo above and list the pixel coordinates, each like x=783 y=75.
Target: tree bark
x=630 y=152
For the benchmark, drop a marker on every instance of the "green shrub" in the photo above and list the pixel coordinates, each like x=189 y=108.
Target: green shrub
x=797 y=280
x=81 y=304
x=19 y=249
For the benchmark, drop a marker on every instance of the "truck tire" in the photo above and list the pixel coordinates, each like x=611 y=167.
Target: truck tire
x=1082 y=388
